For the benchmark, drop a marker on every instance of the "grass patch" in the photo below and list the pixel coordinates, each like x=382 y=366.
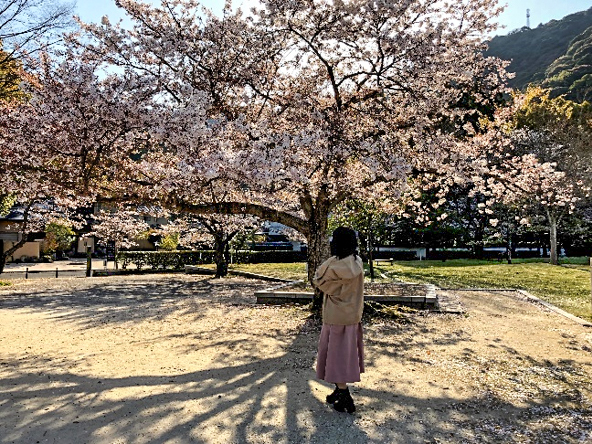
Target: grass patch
x=290 y=271
x=4 y=284
x=567 y=287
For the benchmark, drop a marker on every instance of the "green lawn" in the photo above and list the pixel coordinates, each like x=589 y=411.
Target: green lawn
x=566 y=286
x=291 y=271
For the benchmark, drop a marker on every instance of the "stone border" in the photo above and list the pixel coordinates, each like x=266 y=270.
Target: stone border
x=531 y=298
x=271 y=295
x=275 y=295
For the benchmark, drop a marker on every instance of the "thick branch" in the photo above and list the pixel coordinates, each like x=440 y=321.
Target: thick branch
x=260 y=211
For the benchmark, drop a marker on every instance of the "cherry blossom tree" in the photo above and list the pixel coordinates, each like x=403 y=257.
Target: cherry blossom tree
x=65 y=145
x=29 y=25
x=292 y=110
x=557 y=131
x=219 y=230
x=309 y=103
x=122 y=226
x=35 y=210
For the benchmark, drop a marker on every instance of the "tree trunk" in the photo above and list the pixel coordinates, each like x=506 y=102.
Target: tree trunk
x=220 y=257
x=371 y=255
x=318 y=251
x=227 y=256
x=553 y=258
x=478 y=244
x=509 y=246
x=478 y=250
x=4 y=255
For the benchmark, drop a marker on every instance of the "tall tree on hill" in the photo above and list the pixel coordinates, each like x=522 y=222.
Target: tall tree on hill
x=540 y=54
x=571 y=74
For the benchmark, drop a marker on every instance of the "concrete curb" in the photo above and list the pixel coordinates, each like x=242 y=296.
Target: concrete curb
x=276 y=295
x=530 y=297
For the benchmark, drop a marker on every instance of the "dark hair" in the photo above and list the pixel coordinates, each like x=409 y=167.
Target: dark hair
x=344 y=242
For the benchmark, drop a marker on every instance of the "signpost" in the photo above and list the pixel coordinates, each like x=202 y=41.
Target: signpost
x=111 y=251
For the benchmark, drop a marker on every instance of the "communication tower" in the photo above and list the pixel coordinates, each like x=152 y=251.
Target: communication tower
x=528 y=18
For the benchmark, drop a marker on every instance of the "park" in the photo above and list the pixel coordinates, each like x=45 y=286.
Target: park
x=170 y=185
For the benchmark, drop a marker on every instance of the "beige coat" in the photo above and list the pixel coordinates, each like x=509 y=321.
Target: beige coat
x=342 y=282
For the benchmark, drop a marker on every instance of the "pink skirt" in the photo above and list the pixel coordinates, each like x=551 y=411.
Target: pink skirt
x=341 y=353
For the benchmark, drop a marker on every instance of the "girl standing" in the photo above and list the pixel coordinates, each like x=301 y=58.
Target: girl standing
x=340 y=357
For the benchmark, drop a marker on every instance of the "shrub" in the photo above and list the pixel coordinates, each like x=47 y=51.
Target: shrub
x=58 y=237
x=170 y=242
x=178 y=259
x=163 y=259
x=263 y=257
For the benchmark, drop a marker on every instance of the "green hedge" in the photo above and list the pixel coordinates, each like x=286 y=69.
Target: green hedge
x=161 y=259
x=178 y=259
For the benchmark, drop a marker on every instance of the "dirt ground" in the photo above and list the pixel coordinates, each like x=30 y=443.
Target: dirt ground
x=180 y=359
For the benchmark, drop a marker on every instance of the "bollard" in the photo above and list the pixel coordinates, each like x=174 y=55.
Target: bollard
x=27 y=273
x=56 y=273
x=88 y=262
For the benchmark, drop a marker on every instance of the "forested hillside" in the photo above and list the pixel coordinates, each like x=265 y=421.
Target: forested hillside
x=556 y=55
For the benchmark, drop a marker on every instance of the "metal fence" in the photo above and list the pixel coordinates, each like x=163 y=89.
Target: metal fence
x=41 y=274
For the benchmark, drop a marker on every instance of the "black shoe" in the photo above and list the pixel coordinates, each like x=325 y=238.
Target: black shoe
x=333 y=396
x=344 y=401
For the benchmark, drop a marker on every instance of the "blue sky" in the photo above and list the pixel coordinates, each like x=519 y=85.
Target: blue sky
x=541 y=11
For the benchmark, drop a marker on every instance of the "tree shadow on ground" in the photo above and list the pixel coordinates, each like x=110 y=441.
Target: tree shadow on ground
x=267 y=400
x=270 y=400
x=274 y=399
x=113 y=301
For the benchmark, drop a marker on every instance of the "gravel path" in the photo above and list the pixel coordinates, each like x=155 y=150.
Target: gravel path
x=180 y=359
